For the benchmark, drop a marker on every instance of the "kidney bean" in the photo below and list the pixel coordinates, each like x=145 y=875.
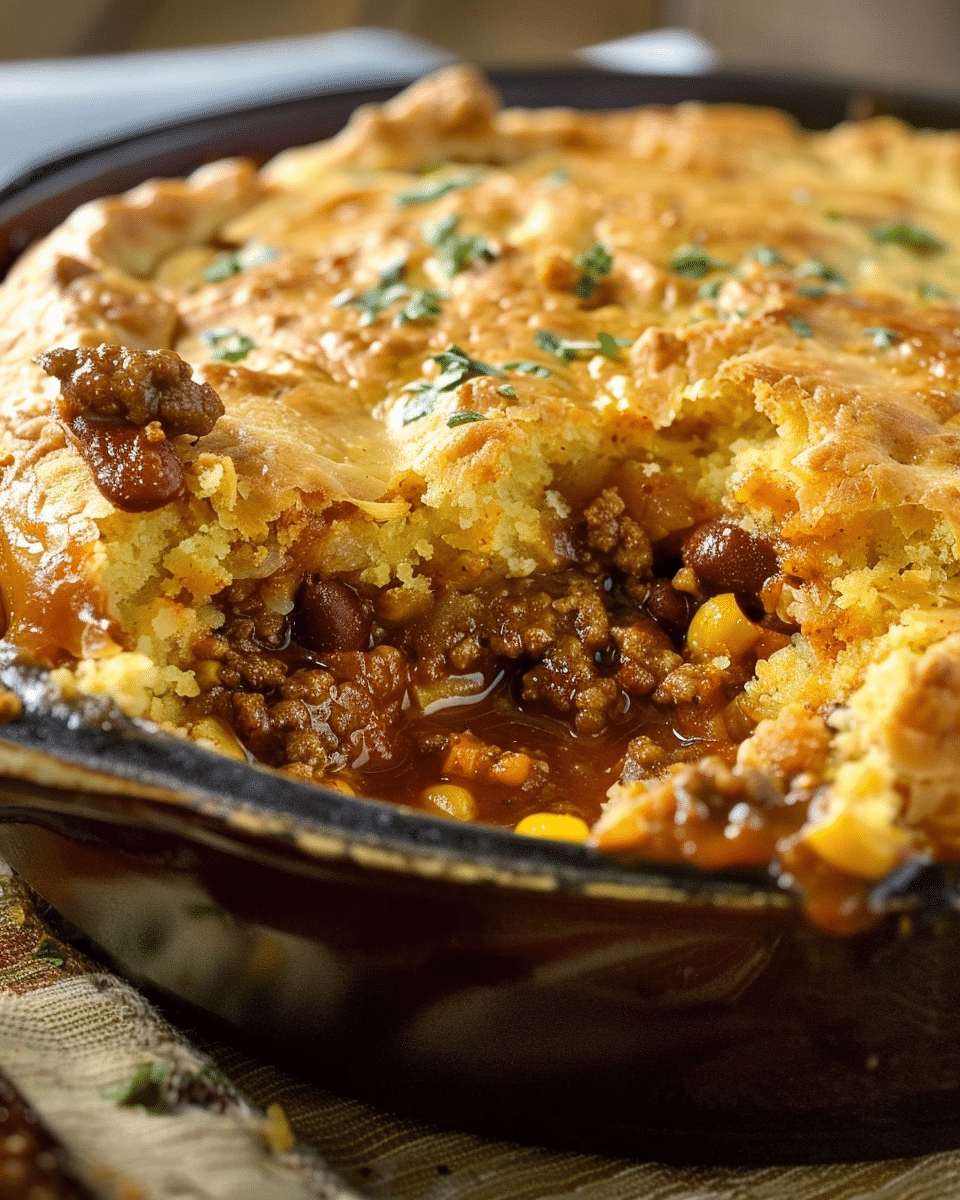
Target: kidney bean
x=725 y=558
x=330 y=617
x=670 y=608
x=135 y=467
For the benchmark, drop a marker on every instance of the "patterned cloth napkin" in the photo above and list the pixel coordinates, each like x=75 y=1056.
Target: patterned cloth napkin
x=104 y=1100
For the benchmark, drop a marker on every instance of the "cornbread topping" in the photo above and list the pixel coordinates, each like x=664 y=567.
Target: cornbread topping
x=594 y=474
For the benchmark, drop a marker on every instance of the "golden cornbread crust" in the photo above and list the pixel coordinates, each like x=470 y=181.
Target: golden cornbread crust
x=466 y=352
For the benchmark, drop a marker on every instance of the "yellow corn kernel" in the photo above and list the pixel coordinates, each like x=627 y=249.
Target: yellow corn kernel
x=720 y=628
x=449 y=800
x=859 y=847
x=207 y=673
x=339 y=785
x=560 y=827
x=213 y=732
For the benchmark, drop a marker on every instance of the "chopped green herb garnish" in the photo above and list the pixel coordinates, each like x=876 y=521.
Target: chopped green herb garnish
x=529 y=368
x=50 y=951
x=456 y=367
x=768 y=257
x=882 y=337
x=435 y=191
x=228 y=345
x=929 y=291
x=148 y=1089
x=813 y=268
x=389 y=288
x=422 y=305
x=456 y=252
x=421 y=402
x=567 y=349
x=558 y=177
x=253 y=254
x=800 y=327
x=910 y=237
x=464 y=418
x=694 y=263
x=506 y=389
x=709 y=291
x=609 y=345
x=594 y=263
x=811 y=290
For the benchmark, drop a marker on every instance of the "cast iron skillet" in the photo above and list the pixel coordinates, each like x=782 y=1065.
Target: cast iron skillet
x=521 y=988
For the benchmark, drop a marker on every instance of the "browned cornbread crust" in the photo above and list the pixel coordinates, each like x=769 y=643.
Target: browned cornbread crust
x=642 y=321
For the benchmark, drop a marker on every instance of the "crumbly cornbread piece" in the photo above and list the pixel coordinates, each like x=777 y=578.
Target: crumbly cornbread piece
x=628 y=439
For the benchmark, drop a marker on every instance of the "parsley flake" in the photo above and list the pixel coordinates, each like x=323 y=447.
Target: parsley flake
x=421 y=304
x=506 y=389
x=800 y=327
x=253 y=254
x=693 y=263
x=813 y=268
x=709 y=291
x=929 y=291
x=456 y=367
x=767 y=256
x=465 y=417
x=811 y=290
x=421 y=402
x=147 y=1089
x=228 y=345
x=594 y=263
x=388 y=289
x=910 y=237
x=567 y=349
x=529 y=368
x=456 y=252
x=434 y=191
x=50 y=951
x=882 y=337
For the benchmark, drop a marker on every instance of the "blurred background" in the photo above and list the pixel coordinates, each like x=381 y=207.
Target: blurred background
x=76 y=72
x=877 y=41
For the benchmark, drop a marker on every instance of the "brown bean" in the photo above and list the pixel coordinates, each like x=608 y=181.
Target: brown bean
x=134 y=467
x=670 y=608
x=329 y=617
x=725 y=558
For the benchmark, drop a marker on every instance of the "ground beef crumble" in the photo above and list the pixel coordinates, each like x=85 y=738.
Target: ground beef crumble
x=134 y=386
x=120 y=407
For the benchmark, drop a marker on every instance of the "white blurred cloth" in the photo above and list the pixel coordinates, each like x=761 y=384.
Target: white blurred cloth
x=52 y=106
